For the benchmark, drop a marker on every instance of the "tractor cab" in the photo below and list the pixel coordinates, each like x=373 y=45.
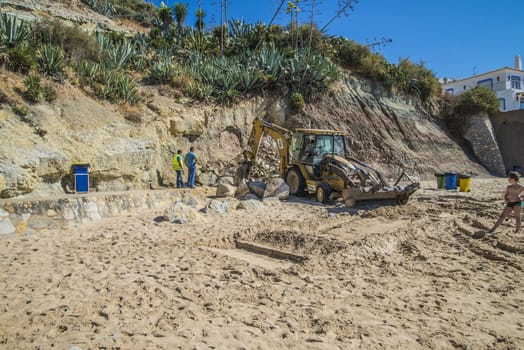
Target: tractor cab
x=309 y=147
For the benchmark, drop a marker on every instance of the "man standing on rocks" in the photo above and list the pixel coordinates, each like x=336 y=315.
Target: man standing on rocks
x=178 y=167
x=191 y=160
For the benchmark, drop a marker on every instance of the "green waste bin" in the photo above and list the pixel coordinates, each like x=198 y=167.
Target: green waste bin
x=440 y=180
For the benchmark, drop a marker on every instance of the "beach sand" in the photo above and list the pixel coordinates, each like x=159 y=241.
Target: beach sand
x=419 y=276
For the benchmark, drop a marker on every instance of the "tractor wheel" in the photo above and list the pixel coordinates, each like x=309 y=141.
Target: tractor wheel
x=323 y=192
x=296 y=182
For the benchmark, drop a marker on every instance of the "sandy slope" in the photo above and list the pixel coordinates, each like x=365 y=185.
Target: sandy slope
x=410 y=277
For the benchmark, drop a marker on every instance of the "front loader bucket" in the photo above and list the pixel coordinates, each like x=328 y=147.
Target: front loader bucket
x=359 y=195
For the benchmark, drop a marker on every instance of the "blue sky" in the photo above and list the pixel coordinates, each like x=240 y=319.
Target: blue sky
x=454 y=38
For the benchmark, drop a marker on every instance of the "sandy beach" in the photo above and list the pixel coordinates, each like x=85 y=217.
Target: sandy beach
x=419 y=276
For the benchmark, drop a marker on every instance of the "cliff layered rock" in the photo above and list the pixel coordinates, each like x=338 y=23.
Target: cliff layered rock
x=389 y=130
x=132 y=147
x=66 y=11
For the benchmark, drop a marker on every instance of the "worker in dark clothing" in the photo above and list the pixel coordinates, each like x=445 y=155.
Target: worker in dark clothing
x=191 y=160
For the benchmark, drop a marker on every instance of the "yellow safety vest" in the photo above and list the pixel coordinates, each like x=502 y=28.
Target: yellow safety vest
x=177 y=162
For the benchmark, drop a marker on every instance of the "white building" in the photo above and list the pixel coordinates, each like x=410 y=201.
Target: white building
x=508 y=84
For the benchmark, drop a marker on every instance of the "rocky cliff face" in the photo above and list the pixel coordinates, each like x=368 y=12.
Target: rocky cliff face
x=132 y=147
x=68 y=11
x=388 y=130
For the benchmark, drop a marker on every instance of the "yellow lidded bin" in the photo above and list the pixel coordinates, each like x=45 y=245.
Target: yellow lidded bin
x=465 y=183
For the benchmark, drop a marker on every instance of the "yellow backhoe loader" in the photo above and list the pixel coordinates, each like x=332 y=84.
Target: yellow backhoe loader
x=314 y=161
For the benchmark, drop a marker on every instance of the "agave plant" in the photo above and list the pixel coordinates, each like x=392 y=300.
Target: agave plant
x=249 y=79
x=124 y=88
x=104 y=41
x=310 y=74
x=222 y=73
x=163 y=71
x=140 y=43
x=269 y=60
x=104 y=75
x=34 y=90
x=199 y=90
x=20 y=58
x=118 y=54
x=87 y=70
x=199 y=42
x=138 y=62
x=51 y=60
x=13 y=30
x=101 y=6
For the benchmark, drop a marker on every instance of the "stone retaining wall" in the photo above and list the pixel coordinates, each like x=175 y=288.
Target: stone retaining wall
x=480 y=134
x=30 y=215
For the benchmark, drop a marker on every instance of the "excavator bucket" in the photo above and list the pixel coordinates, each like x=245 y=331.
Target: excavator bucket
x=387 y=195
x=374 y=189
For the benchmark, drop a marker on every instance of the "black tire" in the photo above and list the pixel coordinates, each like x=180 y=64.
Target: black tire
x=323 y=192
x=296 y=182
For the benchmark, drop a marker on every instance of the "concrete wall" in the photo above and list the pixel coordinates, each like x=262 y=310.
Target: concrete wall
x=509 y=131
x=27 y=216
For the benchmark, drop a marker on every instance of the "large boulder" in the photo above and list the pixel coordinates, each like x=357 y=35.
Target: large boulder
x=257 y=187
x=180 y=213
x=250 y=204
x=250 y=196
x=227 y=180
x=276 y=187
x=217 y=207
x=242 y=190
x=190 y=201
x=225 y=190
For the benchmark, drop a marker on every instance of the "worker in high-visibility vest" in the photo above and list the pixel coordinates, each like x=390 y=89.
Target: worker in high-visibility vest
x=178 y=167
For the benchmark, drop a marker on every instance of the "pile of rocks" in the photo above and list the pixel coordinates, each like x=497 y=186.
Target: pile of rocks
x=273 y=189
x=245 y=196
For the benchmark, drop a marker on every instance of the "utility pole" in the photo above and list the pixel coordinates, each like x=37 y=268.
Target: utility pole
x=223 y=24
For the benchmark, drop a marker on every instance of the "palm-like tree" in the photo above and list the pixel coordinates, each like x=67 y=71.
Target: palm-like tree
x=166 y=16
x=200 y=14
x=180 y=14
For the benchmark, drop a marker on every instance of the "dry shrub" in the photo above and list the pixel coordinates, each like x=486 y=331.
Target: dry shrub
x=181 y=82
x=76 y=43
x=133 y=113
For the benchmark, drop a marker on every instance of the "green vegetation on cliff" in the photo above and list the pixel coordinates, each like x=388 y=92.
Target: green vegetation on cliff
x=231 y=61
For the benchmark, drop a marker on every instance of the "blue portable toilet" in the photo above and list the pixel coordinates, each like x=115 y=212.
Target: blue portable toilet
x=81 y=175
x=451 y=180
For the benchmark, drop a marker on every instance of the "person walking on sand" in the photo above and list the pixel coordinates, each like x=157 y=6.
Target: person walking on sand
x=179 y=169
x=513 y=202
x=191 y=160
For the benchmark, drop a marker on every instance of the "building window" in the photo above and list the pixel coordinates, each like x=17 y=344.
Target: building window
x=515 y=82
x=488 y=83
x=464 y=87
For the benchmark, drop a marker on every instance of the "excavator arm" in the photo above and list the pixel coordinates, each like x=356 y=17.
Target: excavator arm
x=282 y=137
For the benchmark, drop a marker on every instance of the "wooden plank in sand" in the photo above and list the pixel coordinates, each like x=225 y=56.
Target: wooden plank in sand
x=269 y=251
